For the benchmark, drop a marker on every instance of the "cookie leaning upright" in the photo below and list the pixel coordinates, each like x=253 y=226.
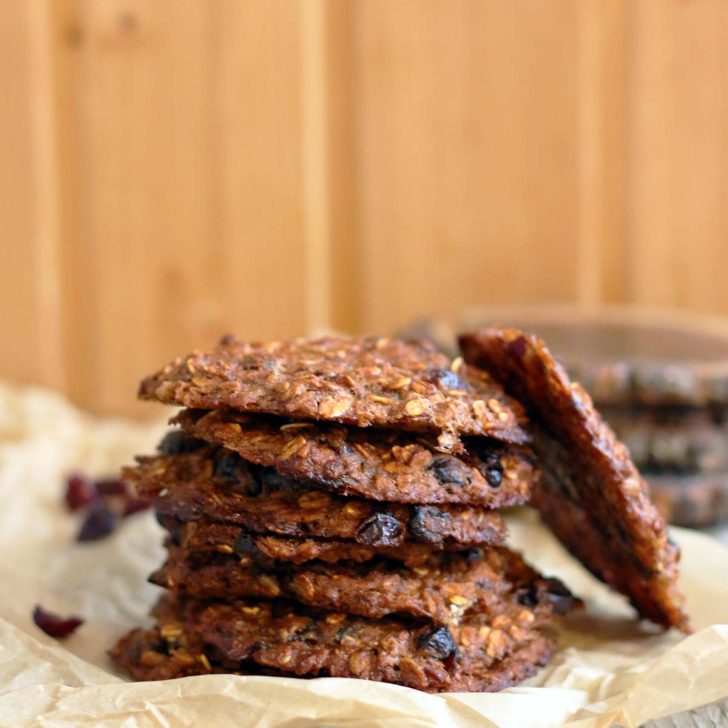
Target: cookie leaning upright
x=590 y=493
x=362 y=381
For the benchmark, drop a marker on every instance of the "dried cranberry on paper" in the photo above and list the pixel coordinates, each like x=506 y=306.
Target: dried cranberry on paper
x=134 y=504
x=99 y=523
x=80 y=492
x=53 y=624
x=112 y=486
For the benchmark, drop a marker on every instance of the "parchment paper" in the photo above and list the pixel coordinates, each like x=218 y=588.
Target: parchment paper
x=609 y=669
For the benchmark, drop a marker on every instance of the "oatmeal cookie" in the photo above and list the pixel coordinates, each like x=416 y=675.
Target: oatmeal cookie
x=590 y=494
x=672 y=440
x=169 y=651
x=276 y=550
x=145 y=654
x=444 y=589
x=378 y=464
x=473 y=656
x=215 y=484
x=425 y=657
x=361 y=381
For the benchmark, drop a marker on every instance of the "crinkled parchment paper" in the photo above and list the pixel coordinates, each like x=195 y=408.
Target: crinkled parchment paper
x=609 y=669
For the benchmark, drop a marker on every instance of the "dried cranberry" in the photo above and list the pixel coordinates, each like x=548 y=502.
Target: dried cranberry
x=175 y=535
x=448 y=379
x=269 y=480
x=341 y=633
x=527 y=595
x=425 y=524
x=381 y=529
x=170 y=523
x=550 y=590
x=53 y=624
x=437 y=642
x=448 y=469
x=158 y=578
x=229 y=467
x=490 y=461
x=99 y=523
x=675 y=546
x=560 y=598
x=135 y=505
x=518 y=346
x=80 y=492
x=232 y=471
x=176 y=442
x=245 y=545
x=112 y=486
x=493 y=470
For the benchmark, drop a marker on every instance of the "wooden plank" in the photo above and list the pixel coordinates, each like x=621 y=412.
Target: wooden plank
x=707 y=716
x=176 y=169
x=29 y=292
x=138 y=175
x=183 y=162
x=316 y=166
x=342 y=101
x=602 y=152
x=262 y=254
x=468 y=170
x=679 y=152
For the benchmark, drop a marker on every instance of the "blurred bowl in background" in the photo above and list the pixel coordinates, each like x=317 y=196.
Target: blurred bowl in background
x=659 y=378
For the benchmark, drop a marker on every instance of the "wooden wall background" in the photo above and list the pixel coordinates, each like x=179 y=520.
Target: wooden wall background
x=174 y=169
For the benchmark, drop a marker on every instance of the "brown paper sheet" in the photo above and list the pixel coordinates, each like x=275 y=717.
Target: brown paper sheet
x=609 y=669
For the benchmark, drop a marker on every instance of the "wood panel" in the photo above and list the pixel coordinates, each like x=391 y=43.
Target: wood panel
x=603 y=34
x=28 y=214
x=184 y=208
x=679 y=154
x=468 y=168
x=264 y=226
x=137 y=151
x=175 y=169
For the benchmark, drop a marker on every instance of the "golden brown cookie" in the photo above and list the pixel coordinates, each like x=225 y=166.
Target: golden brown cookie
x=378 y=464
x=446 y=588
x=472 y=656
x=590 y=494
x=277 y=550
x=218 y=485
x=362 y=381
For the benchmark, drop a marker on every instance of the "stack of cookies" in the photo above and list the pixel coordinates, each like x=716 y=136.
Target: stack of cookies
x=674 y=420
x=331 y=508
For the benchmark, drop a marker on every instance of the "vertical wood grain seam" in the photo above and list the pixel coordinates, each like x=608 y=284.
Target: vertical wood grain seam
x=48 y=334
x=316 y=208
x=602 y=152
x=343 y=103
x=79 y=315
x=589 y=156
x=631 y=182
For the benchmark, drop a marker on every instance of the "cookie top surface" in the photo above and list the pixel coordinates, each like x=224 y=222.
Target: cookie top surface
x=218 y=485
x=359 y=381
x=591 y=494
x=446 y=588
x=379 y=464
